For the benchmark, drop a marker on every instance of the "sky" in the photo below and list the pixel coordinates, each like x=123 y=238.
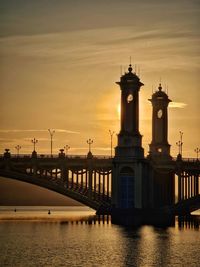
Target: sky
x=59 y=61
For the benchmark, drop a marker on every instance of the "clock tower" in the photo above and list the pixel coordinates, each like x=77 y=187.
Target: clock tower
x=159 y=146
x=129 y=138
x=129 y=165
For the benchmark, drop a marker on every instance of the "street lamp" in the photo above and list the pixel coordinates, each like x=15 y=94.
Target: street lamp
x=34 y=141
x=89 y=142
x=51 y=132
x=66 y=149
x=197 y=150
x=111 y=141
x=18 y=147
x=181 y=139
x=180 y=143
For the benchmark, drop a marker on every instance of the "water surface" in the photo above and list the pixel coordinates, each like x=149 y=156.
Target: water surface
x=76 y=237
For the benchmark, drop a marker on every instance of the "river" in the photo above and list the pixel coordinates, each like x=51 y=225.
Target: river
x=74 y=236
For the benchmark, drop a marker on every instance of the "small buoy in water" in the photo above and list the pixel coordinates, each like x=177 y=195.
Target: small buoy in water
x=49 y=212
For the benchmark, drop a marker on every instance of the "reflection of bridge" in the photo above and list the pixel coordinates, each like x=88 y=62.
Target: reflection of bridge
x=89 y=179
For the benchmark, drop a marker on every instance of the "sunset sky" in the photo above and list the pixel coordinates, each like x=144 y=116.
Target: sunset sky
x=59 y=61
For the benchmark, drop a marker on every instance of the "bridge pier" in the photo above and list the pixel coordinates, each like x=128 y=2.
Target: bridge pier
x=64 y=174
x=90 y=172
x=196 y=185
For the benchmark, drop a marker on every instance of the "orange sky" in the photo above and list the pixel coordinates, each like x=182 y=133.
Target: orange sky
x=60 y=61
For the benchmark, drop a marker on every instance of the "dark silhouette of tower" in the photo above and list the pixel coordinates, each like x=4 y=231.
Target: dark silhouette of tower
x=162 y=180
x=159 y=146
x=129 y=138
x=128 y=163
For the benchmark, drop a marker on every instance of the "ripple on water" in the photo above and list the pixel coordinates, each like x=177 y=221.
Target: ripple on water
x=94 y=242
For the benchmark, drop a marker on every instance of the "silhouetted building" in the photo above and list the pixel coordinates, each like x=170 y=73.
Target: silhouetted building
x=159 y=146
x=129 y=167
x=128 y=184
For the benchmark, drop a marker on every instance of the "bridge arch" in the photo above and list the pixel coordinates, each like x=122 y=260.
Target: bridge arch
x=58 y=188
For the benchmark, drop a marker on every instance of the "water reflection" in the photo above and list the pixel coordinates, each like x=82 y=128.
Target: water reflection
x=189 y=222
x=90 y=220
x=161 y=246
x=74 y=239
x=183 y=222
x=81 y=215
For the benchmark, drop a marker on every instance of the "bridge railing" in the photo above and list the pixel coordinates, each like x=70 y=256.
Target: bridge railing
x=83 y=157
x=186 y=159
x=57 y=156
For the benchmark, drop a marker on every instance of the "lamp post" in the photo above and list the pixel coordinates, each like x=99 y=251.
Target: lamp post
x=51 y=132
x=89 y=142
x=34 y=141
x=181 y=139
x=111 y=141
x=18 y=147
x=180 y=143
x=197 y=150
x=66 y=149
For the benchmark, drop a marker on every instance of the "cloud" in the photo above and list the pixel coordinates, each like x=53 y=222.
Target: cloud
x=177 y=105
x=66 y=131
x=39 y=139
x=39 y=130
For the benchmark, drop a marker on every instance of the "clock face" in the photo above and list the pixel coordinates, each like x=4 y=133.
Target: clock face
x=130 y=98
x=160 y=113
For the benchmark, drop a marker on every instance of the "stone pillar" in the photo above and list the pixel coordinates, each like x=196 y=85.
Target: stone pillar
x=179 y=187
x=90 y=174
x=108 y=184
x=103 y=185
x=95 y=183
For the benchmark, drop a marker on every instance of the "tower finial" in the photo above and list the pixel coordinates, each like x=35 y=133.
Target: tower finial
x=160 y=87
x=130 y=60
x=130 y=68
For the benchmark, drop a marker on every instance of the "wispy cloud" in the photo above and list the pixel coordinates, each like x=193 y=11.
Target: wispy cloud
x=66 y=131
x=39 y=130
x=177 y=105
x=39 y=139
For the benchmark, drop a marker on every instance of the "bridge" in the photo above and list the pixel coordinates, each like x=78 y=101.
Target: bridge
x=89 y=179
x=85 y=179
x=128 y=182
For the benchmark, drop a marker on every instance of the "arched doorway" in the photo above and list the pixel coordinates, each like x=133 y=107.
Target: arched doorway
x=126 y=192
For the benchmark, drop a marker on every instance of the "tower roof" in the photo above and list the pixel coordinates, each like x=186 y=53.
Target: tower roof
x=130 y=77
x=160 y=94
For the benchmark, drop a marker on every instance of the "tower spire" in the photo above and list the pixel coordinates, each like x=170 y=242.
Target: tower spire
x=160 y=87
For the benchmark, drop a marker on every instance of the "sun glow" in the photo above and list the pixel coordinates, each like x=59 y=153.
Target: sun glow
x=119 y=110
